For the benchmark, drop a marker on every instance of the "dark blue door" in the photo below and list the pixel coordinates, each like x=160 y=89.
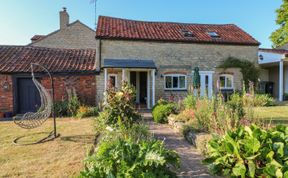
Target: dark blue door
x=28 y=96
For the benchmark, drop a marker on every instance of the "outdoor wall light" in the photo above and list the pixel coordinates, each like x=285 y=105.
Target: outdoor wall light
x=261 y=57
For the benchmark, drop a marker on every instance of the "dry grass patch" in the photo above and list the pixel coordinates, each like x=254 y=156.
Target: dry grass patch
x=62 y=157
x=277 y=114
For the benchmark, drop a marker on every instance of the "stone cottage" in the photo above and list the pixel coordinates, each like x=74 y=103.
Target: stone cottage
x=158 y=58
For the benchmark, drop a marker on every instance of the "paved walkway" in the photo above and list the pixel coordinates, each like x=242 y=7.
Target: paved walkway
x=191 y=165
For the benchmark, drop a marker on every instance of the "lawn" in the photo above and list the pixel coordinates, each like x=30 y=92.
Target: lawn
x=62 y=157
x=278 y=114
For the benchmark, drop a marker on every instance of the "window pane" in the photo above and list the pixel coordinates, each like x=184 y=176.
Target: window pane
x=222 y=81
x=175 y=82
x=182 y=81
x=168 y=80
x=229 y=82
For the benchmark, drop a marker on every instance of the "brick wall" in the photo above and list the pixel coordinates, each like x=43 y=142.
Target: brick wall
x=176 y=57
x=6 y=93
x=83 y=85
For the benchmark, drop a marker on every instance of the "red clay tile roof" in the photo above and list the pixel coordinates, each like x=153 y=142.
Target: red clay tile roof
x=37 y=37
x=116 y=28
x=17 y=59
x=277 y=51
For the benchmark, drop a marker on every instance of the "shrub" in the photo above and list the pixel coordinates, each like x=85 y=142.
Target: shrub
x=160 y=102
x=250 y=152
x=187 y=115
x=235 y=102
x=73 y=105
x=85 y=111
x=203 y=114
x=125 y=158
x=162 y=111
x=263 y=100
x=61 y=109
x=190 y=102
x=120 y=106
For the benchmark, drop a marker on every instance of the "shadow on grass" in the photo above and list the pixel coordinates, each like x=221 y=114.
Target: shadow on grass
x=278 y=120
x=88 y=139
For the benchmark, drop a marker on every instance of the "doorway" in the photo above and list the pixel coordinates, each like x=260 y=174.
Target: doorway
x=139 y=81
x=28 y=99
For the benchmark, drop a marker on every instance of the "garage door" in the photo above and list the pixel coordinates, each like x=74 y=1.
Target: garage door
x=28 y=96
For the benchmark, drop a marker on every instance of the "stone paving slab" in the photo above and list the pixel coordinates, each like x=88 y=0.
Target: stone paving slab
x=191 y=165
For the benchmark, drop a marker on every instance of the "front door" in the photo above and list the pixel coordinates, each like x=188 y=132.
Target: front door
x=139 y=81
x=28 y=96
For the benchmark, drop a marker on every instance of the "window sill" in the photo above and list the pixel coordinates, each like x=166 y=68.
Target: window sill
x=175 y=89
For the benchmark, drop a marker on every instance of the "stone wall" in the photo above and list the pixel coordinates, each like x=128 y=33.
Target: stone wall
x=172 y=57
x=84 y=86
x=6 y=93
x=75 y=36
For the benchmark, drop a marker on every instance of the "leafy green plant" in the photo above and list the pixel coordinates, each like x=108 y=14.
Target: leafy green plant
x=263 y=100
x=125 y=158
x=250 y=152
x=203 y=114
x=190 y=101
x=86 y=111
x=120 y=106
x=235 y=102
x=73 y=105
x=187 y=115
x=162 y=111
x=61 y=109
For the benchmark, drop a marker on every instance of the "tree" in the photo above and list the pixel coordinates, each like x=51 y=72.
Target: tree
x=280 y=36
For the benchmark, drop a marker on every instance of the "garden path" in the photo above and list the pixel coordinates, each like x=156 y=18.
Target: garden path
x=191 y=165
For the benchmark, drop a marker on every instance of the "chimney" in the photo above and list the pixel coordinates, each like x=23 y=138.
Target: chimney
x=64 y=18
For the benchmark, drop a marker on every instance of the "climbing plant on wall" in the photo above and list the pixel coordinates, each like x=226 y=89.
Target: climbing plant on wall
x=249 y=70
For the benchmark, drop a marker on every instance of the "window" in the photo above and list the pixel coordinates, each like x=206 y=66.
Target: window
x=226 y=81
x=213 y=35
x=187 y=33
x=112 y=79
x=175 y=82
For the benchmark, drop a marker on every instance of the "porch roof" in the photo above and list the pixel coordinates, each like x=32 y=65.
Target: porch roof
x=129 y=63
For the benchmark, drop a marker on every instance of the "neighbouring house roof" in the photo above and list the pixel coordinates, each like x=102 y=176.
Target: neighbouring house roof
x=123 y=29
x=17 y=59
x=129 y=63
x=277 y=51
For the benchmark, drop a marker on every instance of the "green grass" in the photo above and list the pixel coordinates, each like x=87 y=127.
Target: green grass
x=277 y=114
x=62 y=157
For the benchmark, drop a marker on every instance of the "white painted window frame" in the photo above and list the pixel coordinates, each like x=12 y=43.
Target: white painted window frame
x=116 y=79
x=175 y=75
x=227 y=76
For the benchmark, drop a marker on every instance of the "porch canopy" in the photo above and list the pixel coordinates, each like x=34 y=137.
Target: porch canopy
x=278 y=60
x=129 y=63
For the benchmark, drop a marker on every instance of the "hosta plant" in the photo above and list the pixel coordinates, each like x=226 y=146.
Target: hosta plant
x=128 y=159
x=250 y=152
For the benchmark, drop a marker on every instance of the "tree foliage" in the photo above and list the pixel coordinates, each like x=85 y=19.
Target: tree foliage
x=280 y=36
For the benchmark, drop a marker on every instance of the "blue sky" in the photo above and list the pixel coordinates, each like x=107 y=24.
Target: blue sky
x=21 y=19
